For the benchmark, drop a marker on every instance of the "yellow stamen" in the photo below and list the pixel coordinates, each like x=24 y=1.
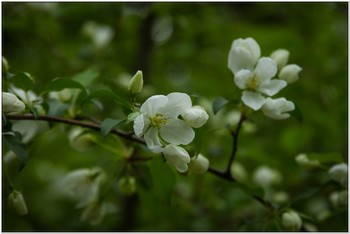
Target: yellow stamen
x=253 y=82
x=158 y=120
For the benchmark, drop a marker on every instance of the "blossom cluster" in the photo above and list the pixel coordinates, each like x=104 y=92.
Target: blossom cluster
x=166 y=122
x=255 y=75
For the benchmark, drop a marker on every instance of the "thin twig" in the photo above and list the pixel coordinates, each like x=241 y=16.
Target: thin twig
x=234 y=134
x=90 y=125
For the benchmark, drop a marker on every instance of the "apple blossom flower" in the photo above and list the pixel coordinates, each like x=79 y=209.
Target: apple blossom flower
x=11 y=103
x=258 y=82
x=290 y=73
x=177 y=157
x=277 y=108
x=196 y=117
x=159 y=121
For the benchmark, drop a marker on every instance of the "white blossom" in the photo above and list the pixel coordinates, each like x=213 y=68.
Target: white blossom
x=277 y=108
x=198 y=165
x=258 y=83
x=196 y=117
x=159 y=121
x=339 y=173
x=266 y=177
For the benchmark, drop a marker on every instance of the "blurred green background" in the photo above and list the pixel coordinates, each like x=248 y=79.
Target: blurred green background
x=182 y=47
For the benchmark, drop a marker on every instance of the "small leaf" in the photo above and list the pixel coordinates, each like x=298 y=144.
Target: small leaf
x=17 y=147
x=22 y=80
x=104 y=93
x=326 y=157
x=108 y=124
x=218 y=104
x=62 y=83
x=86 y=77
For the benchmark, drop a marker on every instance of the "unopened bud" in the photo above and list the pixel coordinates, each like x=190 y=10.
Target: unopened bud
x=127 y=185
x=10 y=103
x=280 y=56
x=196 y=117
x=265 y=176
x=290 y=73
x=198 y=165
x=291 y=220
x=238 y=171
x=16 y=201
x=339 y=173
x=136 y=83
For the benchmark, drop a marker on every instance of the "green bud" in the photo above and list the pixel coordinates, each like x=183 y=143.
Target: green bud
x=280 y=56
x=17 y=203
x=10 y=103
x=291 y=220
x=306 y=163
x=136 y=83
x=127 y=185
x=81 y=140
x=198 y=165
x=238 y=171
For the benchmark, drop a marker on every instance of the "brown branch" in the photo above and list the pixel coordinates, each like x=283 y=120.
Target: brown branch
x=90 y=125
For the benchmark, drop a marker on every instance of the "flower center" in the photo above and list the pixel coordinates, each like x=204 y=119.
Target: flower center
x=253 y=82
x=158 y=121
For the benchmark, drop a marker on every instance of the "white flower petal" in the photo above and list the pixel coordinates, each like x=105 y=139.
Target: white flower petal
x=240 y=58
x=280 y=56
x=154 y=105
x=152 y=140
x=242 y=77
x=266 y=69
x=178 y=103
x=253 y=100
x=177 y=156
x=177 y=132
x=250 y=44
x=272 y=87
x=195 y=117
x=141 y=124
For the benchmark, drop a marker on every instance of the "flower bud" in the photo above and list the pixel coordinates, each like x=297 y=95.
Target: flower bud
x=306 y=163
x=10 y=103
x=196 y=117
x=177 y=157
x=291 y=220
x=280 y=56
x=198 y=165
x=238 y=171
x=339 y=173
x=127 y=185
x=16 y=201
x=64 y=95
x=136 y=83
x=290 y=73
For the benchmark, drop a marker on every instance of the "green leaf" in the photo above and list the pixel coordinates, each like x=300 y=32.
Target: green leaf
x=17 y=147
x=163 y=179
x=62 y=83
x=108 y=124
x=56 y=107
x=104 y=93
x=218 y=104
x=86 y=77
x=22 y=80
x=131 y=117
x=326 y=157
